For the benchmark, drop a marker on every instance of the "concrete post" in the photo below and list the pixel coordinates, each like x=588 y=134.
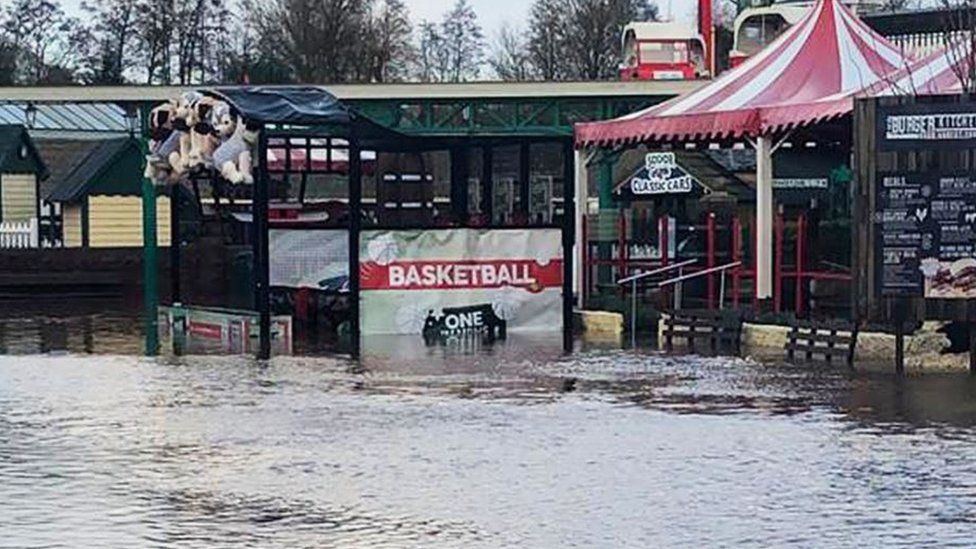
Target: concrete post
x=582 y=190
x=764 y=218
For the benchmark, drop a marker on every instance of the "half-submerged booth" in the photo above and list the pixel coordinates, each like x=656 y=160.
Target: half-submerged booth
x=438 y=238
x=798 y=90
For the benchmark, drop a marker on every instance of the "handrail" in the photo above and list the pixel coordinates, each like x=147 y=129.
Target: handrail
x=640 y=276
x=697 y=274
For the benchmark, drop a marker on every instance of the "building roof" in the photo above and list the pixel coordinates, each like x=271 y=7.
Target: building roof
x=87 y=117
x=793 y=82
x=110 y=167
x=61 y=156
x=14 y=142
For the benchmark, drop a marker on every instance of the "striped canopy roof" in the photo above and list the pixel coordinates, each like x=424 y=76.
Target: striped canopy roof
x=795 y=81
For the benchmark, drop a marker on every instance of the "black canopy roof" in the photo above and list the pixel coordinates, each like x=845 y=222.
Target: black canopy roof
x=299 y=106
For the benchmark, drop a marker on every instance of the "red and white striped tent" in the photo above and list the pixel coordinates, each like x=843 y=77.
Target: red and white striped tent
x=795 y=81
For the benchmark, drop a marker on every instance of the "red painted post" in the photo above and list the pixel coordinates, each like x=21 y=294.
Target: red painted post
x=662 y=224
x=736 y=256
x=621 y=244
x=710 y=239
x=801 y=223
x=778 y=265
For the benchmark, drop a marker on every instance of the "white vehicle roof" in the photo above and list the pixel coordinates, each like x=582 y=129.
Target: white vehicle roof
x=656 y=30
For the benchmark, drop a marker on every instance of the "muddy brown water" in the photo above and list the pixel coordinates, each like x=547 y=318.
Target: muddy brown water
x=513 y=445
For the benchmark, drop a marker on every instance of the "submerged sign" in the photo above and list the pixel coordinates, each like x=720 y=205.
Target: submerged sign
x=461 y=283
x=660 y=175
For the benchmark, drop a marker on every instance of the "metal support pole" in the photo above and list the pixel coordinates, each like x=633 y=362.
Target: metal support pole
x=764 y=218
x=150 y=289
x=569 y=240
x=525 y=151
x=800 y=256
x=355 y=226
x=710 y=245
x=175 y=295
x=736 y=256
x=633 y=313
x=262 y=294
x=721 y=292
x=778 y=265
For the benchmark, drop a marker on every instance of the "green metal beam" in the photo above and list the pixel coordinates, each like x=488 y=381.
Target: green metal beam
x=521 y=117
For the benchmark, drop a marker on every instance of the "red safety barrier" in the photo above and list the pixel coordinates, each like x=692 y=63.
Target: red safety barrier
x=778 y=263
x=710 y=257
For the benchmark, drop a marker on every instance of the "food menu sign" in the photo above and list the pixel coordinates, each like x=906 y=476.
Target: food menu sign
x=926 y=229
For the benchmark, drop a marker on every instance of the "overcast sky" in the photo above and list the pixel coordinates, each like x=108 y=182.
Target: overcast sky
x=493 y=14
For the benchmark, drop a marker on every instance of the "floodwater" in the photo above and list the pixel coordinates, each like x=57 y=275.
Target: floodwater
x=513 y=445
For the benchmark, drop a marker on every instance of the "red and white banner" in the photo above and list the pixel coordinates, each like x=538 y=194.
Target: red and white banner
x=413 y=282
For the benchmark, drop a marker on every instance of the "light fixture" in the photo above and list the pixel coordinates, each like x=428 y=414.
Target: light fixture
x=132 y=118
x=30 y=115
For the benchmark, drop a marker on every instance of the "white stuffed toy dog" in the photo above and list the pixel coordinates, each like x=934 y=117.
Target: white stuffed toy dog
x=163 y=140
x=233 y=157
x=183 y=120
x=202 y=138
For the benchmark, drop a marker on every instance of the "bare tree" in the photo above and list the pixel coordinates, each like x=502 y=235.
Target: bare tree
x=580 y=39
x=115 y=34
x=391 y=49
x=432 y=63
x=511 y=59
x=547 y=23
x=40 y=42
x=316 y=40
x=463 y=41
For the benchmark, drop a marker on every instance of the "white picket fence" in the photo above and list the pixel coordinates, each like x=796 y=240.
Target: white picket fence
x=19 y=234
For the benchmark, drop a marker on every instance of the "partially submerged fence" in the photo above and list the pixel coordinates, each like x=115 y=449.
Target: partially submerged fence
x=641 y=244
x=19 y=234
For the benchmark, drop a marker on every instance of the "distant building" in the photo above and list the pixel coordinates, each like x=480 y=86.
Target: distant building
x=100 y=198
x=21 y=170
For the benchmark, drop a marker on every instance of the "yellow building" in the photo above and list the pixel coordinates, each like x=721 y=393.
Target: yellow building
x=101 y=199
x=21 y=170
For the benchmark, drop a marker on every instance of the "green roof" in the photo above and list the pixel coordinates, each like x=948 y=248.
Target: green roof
x=114 y=167
x=14 y=140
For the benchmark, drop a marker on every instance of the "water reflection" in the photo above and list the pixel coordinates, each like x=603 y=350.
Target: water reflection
x=514 y=445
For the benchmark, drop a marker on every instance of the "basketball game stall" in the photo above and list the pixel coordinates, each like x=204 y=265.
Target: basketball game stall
x=456 y=239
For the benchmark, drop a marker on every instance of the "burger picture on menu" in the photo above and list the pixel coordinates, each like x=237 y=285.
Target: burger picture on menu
x=949 y=279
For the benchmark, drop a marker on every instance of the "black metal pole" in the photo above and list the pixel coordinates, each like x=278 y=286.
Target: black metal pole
x=900 y=314
x=459 y=183
x=569 y=238
x=355 y=225
x=262 y=297
x=487 y=184
x=175 y=295
x=524 y=175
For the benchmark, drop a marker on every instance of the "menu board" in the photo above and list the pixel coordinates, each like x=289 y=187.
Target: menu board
x=925 y=236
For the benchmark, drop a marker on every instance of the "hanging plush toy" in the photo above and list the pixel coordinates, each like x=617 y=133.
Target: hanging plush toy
x=163 y=140
x=183 y=119
x=233 y=156
x=202 y=140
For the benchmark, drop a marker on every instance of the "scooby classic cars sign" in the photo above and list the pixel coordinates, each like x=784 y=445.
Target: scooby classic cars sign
x=458 y=282
x=659 y=176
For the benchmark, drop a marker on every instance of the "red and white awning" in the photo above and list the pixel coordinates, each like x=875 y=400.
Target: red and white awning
x=795 y=81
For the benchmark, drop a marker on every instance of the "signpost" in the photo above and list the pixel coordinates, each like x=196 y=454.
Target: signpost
x=919 y=209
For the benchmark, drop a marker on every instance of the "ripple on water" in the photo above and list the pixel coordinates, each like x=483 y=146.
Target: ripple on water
x=501 y=448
